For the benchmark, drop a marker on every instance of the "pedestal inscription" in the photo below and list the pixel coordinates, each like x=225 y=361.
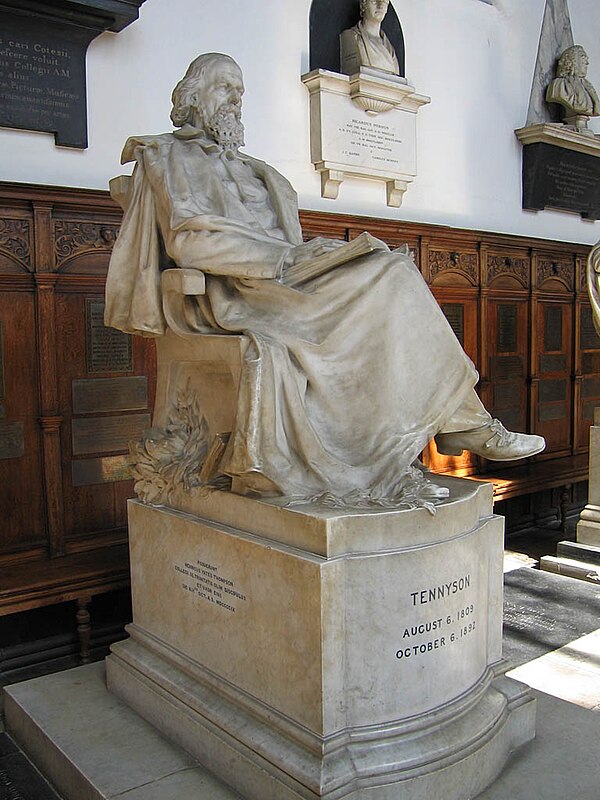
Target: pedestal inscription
x=107 y=349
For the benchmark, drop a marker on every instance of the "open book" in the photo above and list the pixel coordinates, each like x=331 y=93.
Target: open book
x=298 y=274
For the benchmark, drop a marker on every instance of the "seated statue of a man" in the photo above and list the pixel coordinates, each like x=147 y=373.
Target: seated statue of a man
x=350 y=375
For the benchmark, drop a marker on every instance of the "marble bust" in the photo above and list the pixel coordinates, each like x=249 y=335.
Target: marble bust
x=366 y=45
x=347 y=377
x=571 y=89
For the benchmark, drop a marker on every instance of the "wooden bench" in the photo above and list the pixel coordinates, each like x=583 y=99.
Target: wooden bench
x=538 y=476
x=76 y=577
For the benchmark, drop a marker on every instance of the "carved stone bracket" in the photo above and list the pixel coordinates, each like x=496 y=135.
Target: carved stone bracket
x=15 y=238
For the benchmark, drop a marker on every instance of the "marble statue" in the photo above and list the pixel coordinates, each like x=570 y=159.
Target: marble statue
x=348 y=376
x=366 y=45
x=573 y=91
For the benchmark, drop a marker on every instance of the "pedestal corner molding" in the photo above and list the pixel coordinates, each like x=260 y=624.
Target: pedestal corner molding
x=363 y=126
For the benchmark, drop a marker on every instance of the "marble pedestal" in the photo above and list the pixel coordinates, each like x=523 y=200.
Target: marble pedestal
x=302 y=653
x=581 y=559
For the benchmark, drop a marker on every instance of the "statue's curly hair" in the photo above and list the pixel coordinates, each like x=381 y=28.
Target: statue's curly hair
x=568 y=60
x=183 y=94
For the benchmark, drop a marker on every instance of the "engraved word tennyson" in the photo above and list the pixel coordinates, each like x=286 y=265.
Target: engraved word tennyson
x=439 y=592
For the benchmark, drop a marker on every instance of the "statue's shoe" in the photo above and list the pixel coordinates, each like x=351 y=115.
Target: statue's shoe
x=491 y=441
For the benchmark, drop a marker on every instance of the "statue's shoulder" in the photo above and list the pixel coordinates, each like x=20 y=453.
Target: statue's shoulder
x=135 y=144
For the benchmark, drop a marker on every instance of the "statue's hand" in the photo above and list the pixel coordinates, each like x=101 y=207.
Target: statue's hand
x=312 y=249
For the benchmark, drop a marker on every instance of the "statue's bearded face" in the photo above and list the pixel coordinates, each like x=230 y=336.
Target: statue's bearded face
x=219 y=103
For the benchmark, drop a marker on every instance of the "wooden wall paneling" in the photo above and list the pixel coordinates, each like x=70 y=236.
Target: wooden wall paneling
x=22 y=521
x=587 y=372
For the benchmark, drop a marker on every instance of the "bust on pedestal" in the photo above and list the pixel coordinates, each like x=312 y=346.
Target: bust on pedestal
x=571 y=90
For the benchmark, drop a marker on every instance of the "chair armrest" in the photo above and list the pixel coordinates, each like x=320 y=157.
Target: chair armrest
x=183 y=281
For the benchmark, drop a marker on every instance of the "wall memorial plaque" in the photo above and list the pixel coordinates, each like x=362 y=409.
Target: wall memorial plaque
x=506 y=368
x=591 y=387
x=12 y=443
x=107 y=434
x=589 y=339
x=552 y=363
x=555 y=177
x=110 y=394
x=455 y=314
x=110 y=469
x=107 y=349
x=552 y=328
x=590 y=362
x=553 y=391
x=507 y=328
x=552 y=413
x=42 y=62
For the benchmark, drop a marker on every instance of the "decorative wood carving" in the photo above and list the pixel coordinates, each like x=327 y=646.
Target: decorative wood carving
x=453 y=261
x=558 y=270
x=72 y=239
x=517 y=267
x=15 y=240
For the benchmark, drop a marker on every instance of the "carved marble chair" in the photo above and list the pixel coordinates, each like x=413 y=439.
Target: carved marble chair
x=206 y=367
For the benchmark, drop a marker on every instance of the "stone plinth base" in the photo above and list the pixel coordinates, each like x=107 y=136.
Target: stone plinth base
x=373 y=671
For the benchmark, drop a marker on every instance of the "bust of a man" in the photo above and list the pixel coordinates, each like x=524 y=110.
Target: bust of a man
x=573 y=91
x=366 y=45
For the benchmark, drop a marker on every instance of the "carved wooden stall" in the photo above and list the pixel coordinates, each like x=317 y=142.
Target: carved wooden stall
x=73 y=393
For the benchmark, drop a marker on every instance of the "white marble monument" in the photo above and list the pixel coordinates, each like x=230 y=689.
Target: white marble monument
x=314 y=617
x=573 y=92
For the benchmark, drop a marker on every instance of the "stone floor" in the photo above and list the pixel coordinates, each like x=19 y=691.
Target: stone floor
x=552 y=636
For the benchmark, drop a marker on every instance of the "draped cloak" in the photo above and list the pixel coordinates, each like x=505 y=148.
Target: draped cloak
x=349 y=376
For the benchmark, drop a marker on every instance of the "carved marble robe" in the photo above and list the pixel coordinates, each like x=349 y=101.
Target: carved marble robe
x=349 y=376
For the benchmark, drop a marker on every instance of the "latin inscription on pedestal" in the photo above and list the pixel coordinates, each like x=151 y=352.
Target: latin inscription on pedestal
x=207 y=581
x=554 y=177
x=42 y=77
x=107 y=349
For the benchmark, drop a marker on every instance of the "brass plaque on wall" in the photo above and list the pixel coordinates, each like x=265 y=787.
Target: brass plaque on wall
x=507 y=395
x=455 y=314
x=591 y=387
x=553 y=363
x=553 y=328
x=107 y=349
x=588 y=410
x=110 y=394
x=507 y=327
x=589 y=339
x=12 y=440
x=550 y=413
x=506 y=368
x=1 y=365
x=100 y=470
x=590 y=362
x=553 y=391
x=106 y=434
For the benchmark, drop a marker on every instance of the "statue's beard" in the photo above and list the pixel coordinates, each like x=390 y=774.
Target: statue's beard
x=225 y=127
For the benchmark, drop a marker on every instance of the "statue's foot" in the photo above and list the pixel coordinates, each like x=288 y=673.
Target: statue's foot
x=491 y=441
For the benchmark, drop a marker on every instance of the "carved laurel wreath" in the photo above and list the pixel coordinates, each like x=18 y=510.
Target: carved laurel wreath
x=170 y=459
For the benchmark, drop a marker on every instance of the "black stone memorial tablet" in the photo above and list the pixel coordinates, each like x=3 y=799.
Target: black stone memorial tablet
x=556 y=177
x=42 y=62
